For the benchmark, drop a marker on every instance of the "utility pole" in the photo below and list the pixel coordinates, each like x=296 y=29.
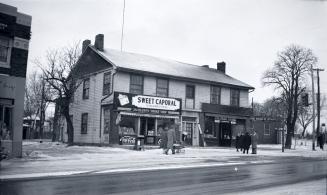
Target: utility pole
x=313 y=112
x=318 y=99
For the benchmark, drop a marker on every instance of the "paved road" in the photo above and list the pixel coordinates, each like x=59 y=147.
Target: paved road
x=210 y=180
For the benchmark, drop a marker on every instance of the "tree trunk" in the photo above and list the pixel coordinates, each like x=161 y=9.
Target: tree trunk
x=303 y=132
x=70 y=129
x=289 y=133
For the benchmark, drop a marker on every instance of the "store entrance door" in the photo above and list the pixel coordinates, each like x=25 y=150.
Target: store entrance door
x=148 y=130
x=225 y=134
x=188 y=128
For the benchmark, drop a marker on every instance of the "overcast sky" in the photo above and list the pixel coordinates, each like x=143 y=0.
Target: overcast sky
x=245 y=34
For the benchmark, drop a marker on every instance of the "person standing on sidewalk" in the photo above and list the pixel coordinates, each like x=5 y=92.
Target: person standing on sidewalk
x=237 y=142
x=241 y=142
x=163 y=137
x=254 y=142
x=171 y=138
x=247 y=142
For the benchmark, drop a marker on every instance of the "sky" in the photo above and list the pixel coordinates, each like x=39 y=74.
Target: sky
x=247 y=35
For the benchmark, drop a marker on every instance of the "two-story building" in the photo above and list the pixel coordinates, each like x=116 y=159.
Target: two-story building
x=15 y=33
x=124 y=95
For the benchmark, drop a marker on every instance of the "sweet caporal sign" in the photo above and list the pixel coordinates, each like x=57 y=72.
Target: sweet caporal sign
x=127 y=100
x=155 y=102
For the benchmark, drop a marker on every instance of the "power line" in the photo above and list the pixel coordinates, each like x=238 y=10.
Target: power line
x=122 y=29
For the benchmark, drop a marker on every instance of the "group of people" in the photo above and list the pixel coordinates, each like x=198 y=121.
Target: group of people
x=244 y=141
x=168 y=138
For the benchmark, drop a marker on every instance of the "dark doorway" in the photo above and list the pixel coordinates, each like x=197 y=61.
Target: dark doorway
x=225 y=134
x=189 y=129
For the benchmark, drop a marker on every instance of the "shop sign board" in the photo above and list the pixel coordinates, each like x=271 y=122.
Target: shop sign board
x=127 y=140
x=147 y=104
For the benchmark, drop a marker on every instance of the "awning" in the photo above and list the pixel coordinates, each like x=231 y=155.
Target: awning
x=148 y=115
x=226 y=117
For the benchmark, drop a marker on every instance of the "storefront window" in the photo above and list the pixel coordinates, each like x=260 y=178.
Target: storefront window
x=128 y=125
x=5 y=122
x=127 y=130
x=210 y=131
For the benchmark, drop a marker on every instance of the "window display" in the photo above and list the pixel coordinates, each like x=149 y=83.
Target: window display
x=127 y=130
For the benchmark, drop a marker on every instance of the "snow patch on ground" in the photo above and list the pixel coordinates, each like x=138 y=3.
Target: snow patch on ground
x=56 y=157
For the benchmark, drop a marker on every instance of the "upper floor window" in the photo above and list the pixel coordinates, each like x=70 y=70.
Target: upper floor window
x=136 y=84
x=86 y=88
x=234 y=97
x=162 y=87
x=215 y=95
x=266 y=129
x=84 y=123
x=190 y=96
x=4 y=52
x=106 y=83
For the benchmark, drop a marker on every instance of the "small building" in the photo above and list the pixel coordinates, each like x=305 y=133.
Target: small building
x=268 y=129
x=15 y=33
x=124 y=95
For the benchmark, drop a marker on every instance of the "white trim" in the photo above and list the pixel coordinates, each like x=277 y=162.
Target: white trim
x=21 y=43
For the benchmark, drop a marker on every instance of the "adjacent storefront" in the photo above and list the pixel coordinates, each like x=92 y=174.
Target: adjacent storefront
x=222 y=124
x=143 y=116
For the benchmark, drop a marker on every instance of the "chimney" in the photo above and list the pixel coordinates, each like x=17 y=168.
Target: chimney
x=85 y=44
x=98 y=44
x=221 y=66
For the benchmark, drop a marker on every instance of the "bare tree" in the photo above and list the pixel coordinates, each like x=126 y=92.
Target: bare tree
x=36 y=95
x=59 y=74
x=288 y=76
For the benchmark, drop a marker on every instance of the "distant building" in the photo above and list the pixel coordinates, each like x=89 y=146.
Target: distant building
x=31 y=128
x=15 y=33
x=268 y=129
x=124 y=95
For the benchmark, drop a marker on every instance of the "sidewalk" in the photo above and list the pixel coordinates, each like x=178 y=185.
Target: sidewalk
x=56 y=159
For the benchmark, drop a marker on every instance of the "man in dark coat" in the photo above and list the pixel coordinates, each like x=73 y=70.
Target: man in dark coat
x=241 y=142
x=321 y=140
x=237 y=142
x=247 y=142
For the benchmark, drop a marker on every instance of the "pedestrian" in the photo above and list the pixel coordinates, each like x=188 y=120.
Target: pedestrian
x=237 y=142
x=247 y=142
x=241 y=142
x=171 y=138
x=163 y=137
x=254 y=142
x=321 y=140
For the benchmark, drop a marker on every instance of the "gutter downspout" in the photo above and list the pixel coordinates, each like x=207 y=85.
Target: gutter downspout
x=111 y=92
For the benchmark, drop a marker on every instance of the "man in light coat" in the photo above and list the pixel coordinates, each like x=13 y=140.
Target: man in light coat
x=254 y=142
x=171 y=138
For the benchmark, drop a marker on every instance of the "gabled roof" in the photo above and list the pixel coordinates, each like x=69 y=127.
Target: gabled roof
x=150 y=64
